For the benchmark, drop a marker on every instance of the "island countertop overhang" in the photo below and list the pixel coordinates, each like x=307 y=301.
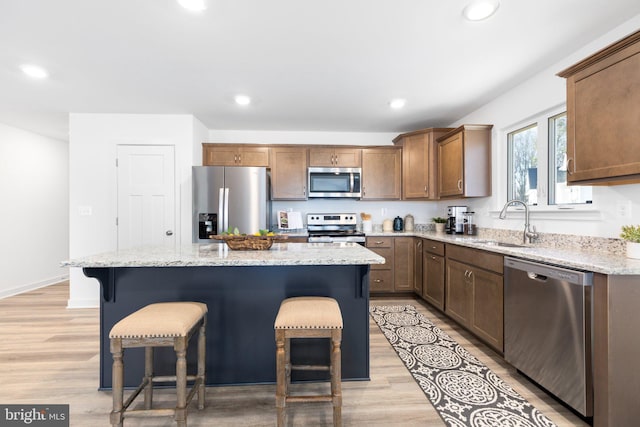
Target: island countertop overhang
x=219 y=255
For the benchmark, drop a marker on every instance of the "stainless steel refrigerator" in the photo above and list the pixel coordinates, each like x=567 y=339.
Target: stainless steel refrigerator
x=226 y=197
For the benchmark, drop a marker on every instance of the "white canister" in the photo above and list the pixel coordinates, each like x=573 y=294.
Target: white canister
x=367 y=226
x=408 y=223
x=387 y=226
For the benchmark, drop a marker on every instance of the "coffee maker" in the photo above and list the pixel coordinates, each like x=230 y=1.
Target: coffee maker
x=455 y=219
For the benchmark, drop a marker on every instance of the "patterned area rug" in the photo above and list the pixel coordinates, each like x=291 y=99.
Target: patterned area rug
x=462 y=389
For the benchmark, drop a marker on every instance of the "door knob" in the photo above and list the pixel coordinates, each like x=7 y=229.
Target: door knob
x=169 y=233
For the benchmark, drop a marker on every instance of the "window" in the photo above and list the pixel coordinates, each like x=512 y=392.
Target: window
x=537 y=158
x=559 y=191
x=523 y=164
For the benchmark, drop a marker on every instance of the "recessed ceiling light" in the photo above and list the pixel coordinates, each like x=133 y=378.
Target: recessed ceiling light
x=397 y=103
x=478 y=10
x=193 y=5
x=242 y=100
x=34 y=71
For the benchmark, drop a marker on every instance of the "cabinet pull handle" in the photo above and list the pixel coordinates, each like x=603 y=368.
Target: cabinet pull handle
x=569 y=160
x=433 y=258
x=378 y=280
x=239 y=158
x=460 y=184
x=379 y=242
x=304 y=190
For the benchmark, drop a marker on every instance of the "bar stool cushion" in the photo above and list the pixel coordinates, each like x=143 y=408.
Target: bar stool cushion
x=160 y=320
x=309 y=313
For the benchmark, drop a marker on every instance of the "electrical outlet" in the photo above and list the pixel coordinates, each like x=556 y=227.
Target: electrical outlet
x=623 y=208
x=85 y=210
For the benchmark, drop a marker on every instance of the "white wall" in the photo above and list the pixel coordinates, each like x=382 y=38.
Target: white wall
x=298 y=137
x=542 y=92
x=34 y=195
x=93 y=141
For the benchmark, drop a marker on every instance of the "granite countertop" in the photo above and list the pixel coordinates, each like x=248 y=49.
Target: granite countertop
x=218 y=254
x=604 y=262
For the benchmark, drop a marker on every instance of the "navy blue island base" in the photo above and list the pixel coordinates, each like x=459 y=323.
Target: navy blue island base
x=243 y=302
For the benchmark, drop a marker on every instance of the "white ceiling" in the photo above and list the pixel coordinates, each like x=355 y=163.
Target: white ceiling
x=330 y=65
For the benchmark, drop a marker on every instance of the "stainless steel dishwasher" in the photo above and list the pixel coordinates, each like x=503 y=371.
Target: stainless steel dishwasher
x=547 y=329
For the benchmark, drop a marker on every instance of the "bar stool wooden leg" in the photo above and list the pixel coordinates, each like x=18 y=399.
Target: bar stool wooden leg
x=281 y=376
x=148 y=375
x=117 y=383
x=202 y=347
x=336 y=376
x=181 y=381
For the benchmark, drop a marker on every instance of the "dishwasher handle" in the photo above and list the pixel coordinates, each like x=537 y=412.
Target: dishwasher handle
x=536 y=276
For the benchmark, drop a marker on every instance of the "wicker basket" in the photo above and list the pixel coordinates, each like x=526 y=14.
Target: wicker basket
x=248 y=243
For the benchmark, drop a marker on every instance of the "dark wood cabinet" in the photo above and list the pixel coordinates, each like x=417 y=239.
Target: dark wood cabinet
x=398 y=273
x=288 y=173
x=433 y=273
x=403 y=264
x=381 y=173
x=419 y=163
x=475 y=292
x=417 y=266
x=464 y=162
x=327 y=156
x=603 y=115
x=235 y=155
x=381 y=275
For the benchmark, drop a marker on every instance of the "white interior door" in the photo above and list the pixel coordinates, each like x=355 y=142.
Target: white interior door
x=146 y=195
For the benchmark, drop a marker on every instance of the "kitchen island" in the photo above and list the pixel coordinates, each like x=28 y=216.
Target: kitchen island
x=243 y=290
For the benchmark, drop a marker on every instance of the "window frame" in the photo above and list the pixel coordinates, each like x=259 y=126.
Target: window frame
x=543 y=210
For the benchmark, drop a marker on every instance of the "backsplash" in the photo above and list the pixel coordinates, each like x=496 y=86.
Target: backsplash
x=546 y=240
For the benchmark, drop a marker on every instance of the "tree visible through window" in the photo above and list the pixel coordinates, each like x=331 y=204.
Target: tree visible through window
x=559 y=191
x=537 y=163
x=523 y=164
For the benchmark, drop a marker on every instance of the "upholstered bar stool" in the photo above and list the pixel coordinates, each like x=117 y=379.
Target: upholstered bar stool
x=308 y=317
x=169 y=324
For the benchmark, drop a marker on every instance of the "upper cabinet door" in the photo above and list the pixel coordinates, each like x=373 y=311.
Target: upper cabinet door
x=450 y=164
x=381 y=173
x=419 y=163
x=289 y=173
x=234 y=155
x=464 y=162
x=328 y=156
x=603 y=115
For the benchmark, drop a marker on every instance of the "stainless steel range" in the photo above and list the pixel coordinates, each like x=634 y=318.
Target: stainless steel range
x=334 y=227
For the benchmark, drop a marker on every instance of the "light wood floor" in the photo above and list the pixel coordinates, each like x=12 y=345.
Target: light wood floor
x=49 y=354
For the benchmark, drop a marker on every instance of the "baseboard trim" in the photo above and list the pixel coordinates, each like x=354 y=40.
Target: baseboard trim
x=83 y=303
x=32 y=286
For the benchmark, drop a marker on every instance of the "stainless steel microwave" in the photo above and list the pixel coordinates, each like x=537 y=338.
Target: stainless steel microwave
x=334 y=182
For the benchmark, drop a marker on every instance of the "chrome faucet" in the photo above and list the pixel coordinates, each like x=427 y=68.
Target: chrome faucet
x=528 y=232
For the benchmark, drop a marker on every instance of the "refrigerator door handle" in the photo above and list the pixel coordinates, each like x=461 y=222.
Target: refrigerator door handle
x=226 y=208
x=221 y=226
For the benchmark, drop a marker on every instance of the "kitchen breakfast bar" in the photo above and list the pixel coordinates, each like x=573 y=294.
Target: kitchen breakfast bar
x=243 y=291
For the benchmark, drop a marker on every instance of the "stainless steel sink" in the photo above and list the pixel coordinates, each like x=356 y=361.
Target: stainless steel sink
x=491 y=242
x=504 y=244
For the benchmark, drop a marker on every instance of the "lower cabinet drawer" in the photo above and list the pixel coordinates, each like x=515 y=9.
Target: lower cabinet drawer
x=381 y=281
